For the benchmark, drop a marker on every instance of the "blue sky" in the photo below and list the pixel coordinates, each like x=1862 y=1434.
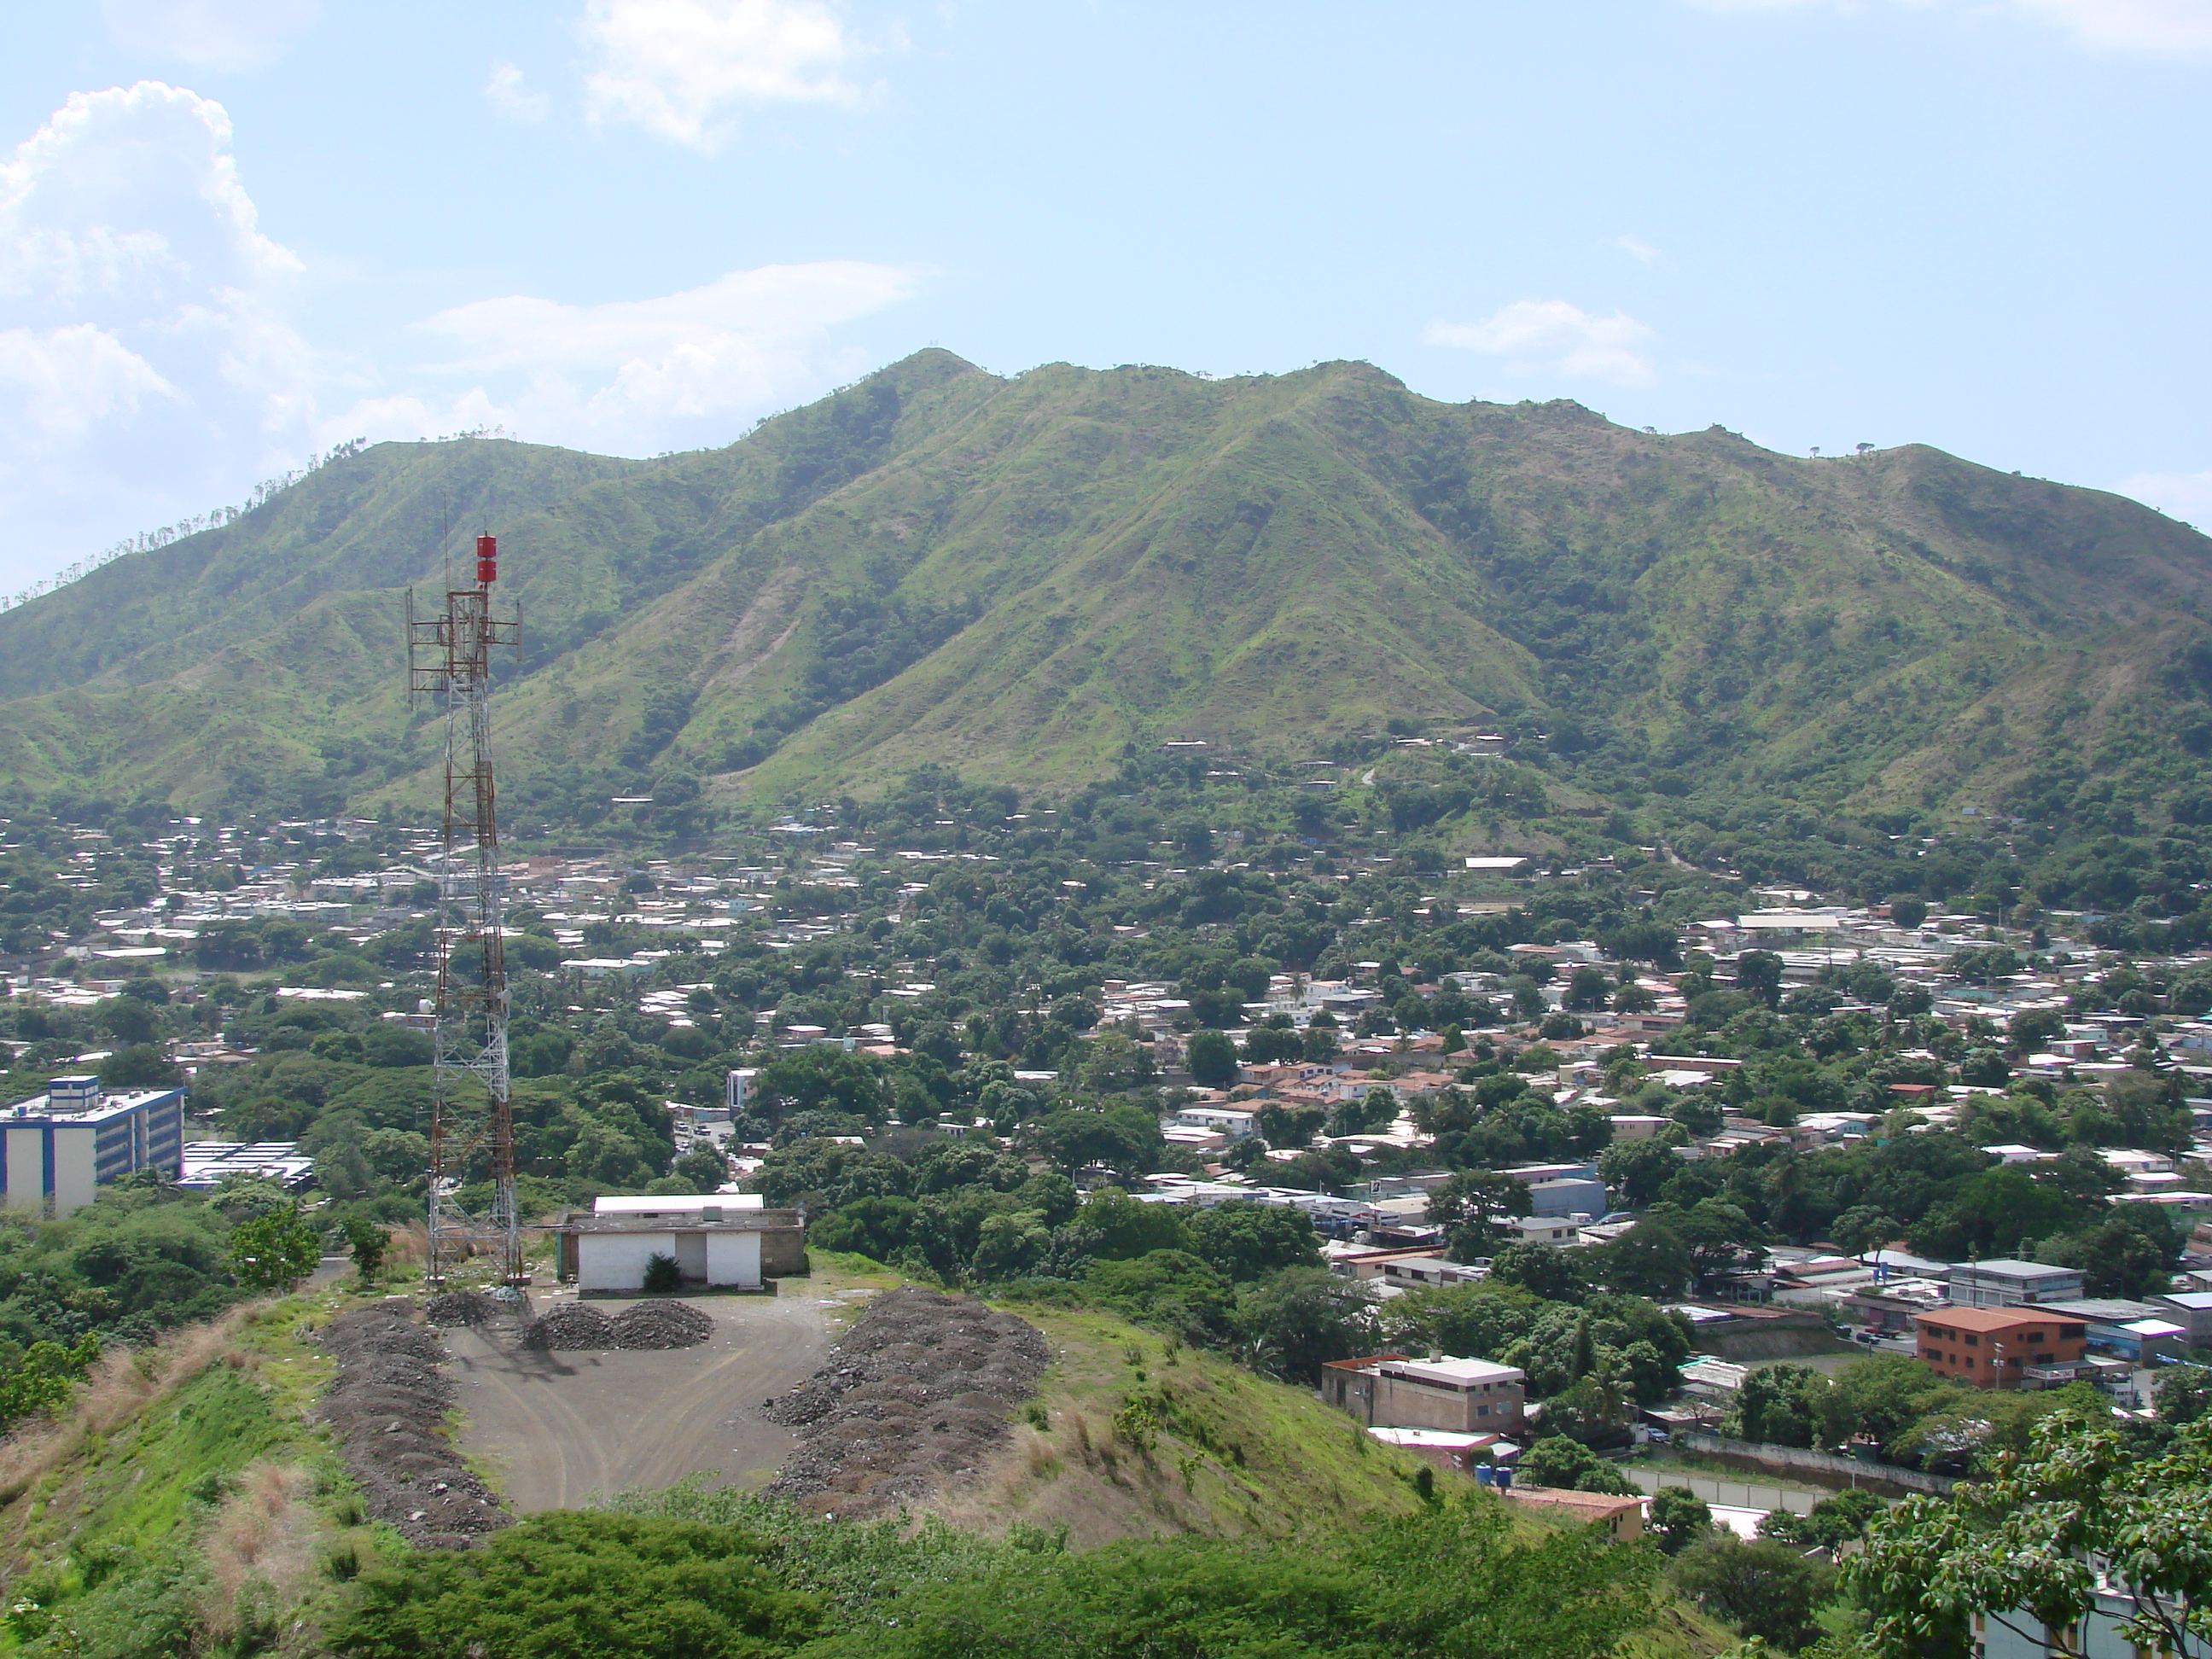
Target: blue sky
x=238 y=231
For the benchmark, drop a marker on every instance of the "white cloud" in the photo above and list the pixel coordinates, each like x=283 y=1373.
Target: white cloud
x=214 y=34
x=147 y=368
x=2166 y=28
x=1536 y=336
x=638 y=376
x=512 y=99
x=2184 y=496
x=1638 y=249
x=678 y=68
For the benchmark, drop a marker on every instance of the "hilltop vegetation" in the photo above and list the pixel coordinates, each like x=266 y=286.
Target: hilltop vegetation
x=1024 y=577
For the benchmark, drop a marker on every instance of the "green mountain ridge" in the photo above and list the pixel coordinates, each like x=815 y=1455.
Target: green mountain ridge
x=1021 y=577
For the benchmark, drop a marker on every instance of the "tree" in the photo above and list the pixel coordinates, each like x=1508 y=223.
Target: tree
x=1294 y=1321
x=1637 y=1169
x=1764 y=1588
x=2082 y=1515
x=369 y=1244
x=272 y=1251
x=139 y=1065
x=1716 y=1233
x=2029 y=1030
x=1759 y=973
x=1648 y=1260
x=1882 y=1398
x=42 y=1382
x=1123 y=1227
x=1908 y=911
x=702 y=1168
x=1591 y=1410
x=1779 y=1406
x=2184 y=1394
x=1123 y=1139
x=1587 y=990
x=1678 y=1518
x=1210 y=1058
x=1570 y=1466
x=1469 y=1206
x=1244 y=1241
x=2131 y=1254
x=1543 y=1270
x=582 y=1585
x=1829 y=1524
x=1862 y=1228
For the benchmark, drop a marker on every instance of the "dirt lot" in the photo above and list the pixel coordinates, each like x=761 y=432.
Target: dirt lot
x=913 y=1399
x=555 y=1427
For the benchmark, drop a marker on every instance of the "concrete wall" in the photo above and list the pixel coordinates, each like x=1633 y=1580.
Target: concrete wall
x=1394 y=1403
x=75 y=1184
x=616 y=1261
x=734 y=1258
x=1800 y=1460
x=783 y=1250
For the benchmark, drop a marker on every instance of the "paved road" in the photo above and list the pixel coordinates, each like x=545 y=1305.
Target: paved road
x=558 y=1427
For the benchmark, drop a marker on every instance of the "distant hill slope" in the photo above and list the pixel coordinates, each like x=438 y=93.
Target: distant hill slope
x=1020 y=577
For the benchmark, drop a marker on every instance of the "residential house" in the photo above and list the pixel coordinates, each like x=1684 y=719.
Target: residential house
x=1459 y=1397
x=2010 y=1347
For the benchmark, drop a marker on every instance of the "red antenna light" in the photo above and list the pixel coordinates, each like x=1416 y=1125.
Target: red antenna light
x=486 y=559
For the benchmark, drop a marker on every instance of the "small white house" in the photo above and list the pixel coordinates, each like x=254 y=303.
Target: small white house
x=727 y=1240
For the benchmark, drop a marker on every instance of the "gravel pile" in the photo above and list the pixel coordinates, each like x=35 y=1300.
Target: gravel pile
x=574 y=1326
x=917 y=1395
x=460 y=1307
x=386 y=1405
x=661 y=1325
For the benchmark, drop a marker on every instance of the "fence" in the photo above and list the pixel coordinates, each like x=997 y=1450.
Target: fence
x=1719 y=1491
x=1777 y=1459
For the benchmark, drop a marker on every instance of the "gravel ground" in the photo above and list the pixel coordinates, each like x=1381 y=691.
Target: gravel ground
x=914 y=1396
x=661 y=1325
x=560 y=1426
x=387 y=1407
x=460 y=1307
x=572 y=1327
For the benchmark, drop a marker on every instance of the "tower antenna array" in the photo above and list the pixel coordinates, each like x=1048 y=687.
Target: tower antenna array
x=471 y=1119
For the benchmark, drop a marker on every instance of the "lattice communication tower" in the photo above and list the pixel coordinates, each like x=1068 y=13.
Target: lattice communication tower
x=449 y=657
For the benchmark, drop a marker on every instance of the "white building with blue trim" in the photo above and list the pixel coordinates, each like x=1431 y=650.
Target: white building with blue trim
x=58 y=1150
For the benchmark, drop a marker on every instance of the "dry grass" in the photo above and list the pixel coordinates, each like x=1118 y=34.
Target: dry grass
x=123 y=1384
x=263 y=1548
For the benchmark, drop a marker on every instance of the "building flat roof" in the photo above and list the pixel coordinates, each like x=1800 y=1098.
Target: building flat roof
x=669 y=1203
x=1458 y=1373
x=2003 y=1268
x=38 y=1110
x=733 y=1221
x=1597 y=1505
x=1993 y=1319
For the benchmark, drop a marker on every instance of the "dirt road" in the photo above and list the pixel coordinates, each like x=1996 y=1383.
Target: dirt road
x=556 y=1428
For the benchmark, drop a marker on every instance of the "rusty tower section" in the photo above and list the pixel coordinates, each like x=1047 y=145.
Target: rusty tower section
x=471 y=1121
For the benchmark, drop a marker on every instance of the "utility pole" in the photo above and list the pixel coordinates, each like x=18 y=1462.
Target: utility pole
x=449 y=656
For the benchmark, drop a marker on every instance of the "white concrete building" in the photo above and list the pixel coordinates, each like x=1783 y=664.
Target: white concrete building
x=717 y=1240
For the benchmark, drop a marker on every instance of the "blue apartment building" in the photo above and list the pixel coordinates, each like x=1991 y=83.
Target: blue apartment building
x=58 y=1150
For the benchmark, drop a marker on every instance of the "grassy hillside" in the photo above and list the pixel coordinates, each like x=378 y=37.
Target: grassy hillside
x=184 y=1504
x=1140 y=1438
x=1021 y=577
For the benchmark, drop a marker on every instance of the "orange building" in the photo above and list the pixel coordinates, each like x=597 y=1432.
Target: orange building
x=1998 y=1347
